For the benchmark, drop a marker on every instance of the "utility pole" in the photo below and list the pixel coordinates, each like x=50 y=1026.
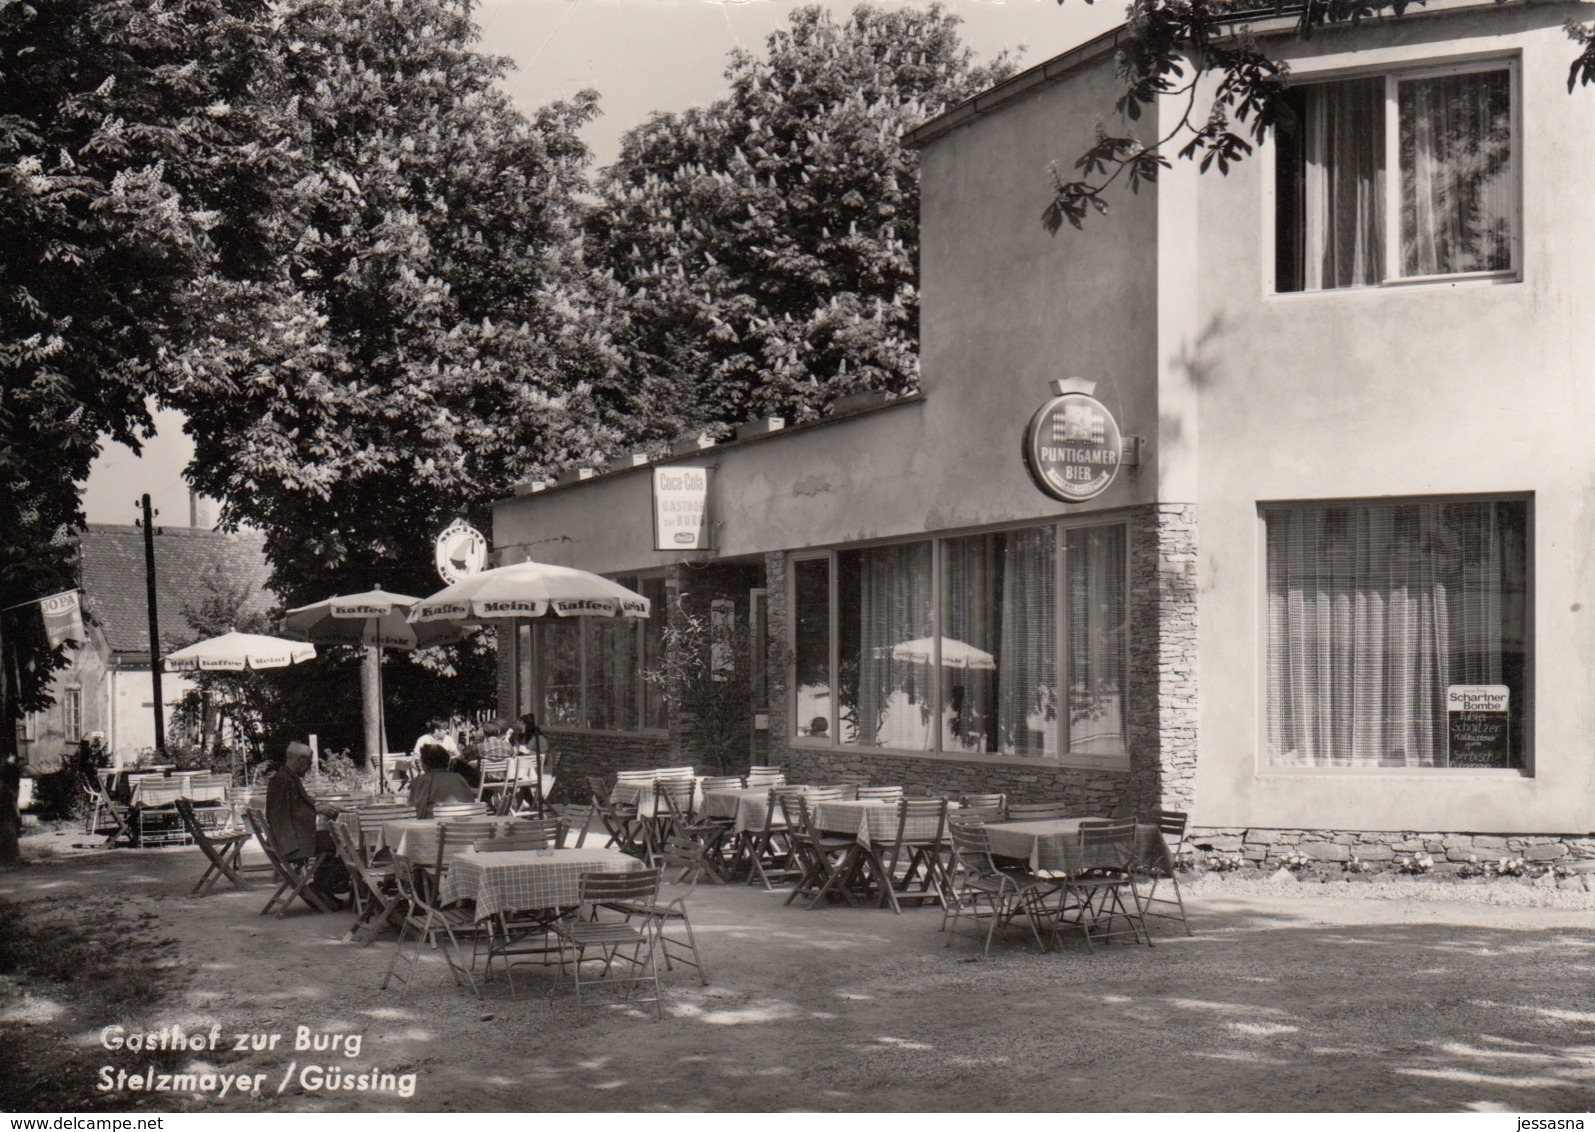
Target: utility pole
x=155 y=626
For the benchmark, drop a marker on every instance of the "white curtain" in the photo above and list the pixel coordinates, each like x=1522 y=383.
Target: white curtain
x=1027 y=669
x=892 y=700
x=1372 y=611
x=1458 y=191
x=1346 y=184
x=1097 y=635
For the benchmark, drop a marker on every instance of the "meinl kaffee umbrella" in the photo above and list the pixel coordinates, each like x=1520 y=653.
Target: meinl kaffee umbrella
x=235 y=652
x=376 y=620
x=529 y=590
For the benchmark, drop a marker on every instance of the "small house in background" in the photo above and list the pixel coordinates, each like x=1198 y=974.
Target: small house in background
x=107 y=688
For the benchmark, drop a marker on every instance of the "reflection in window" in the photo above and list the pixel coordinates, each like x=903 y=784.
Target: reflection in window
x=1097 y=639
x=611 y=673
x=653 y=650
x=562 y=671
x=811 y=579
x=998 y=655
x=884 y=622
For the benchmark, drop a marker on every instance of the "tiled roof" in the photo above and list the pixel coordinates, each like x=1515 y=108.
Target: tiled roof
x=188 y=561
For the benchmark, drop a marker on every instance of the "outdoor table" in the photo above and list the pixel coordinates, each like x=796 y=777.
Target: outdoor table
x=745 y=807
x=520 y=880
x=417 y=838
x=641 y=795
x=1054 y=845
x=873 y=822
x=153 y=792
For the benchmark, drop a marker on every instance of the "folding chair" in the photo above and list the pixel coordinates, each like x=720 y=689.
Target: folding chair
x=372 y=819
x=675 y=816
x=924 y=853
x=495 y=788
x=295 y=876
x=577 y=820
x=1037 y=811
x=764 y=776
x=880 y=793
x=820 y=858
x=450 y=810
x=621 y=822
x=1170 y=824
x=1095 y=890
x=768 y=852
x=977 y=880
x=376 y=893
x=221 y=851
x=981 y=803
x=681 y=854
x=101 y=803
x=431 y=923
x=532 y=833
x=625 y=974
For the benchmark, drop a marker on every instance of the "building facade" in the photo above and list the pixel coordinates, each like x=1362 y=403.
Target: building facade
x=1331 y=601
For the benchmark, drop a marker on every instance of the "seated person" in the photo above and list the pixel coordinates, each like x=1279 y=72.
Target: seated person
x=437 y=782
x=493 y=745
x=437 y=732
x=291 y=818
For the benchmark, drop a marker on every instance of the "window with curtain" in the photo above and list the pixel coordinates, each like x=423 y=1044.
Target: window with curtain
x=967 y=644
x=560 y=641
x=999 y=647
x=1097 y=636
x=884 y=621
x=590 y=669
x=1375 y=611
x=1451 y=207
x=653 y=651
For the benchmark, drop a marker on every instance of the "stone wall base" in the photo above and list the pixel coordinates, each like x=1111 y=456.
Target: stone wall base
x=586 y=754
x=1268 y=848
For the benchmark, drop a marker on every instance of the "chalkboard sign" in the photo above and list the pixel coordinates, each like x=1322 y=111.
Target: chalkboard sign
x=1476 y=732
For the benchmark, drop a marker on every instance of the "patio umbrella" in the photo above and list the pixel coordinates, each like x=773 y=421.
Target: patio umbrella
x=375 y=619
x=954 y=654
x=529 y=590
x=235 y=652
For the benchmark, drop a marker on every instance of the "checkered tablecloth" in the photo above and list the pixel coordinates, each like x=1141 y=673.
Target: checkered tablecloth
x=641 y=795
x=524 y=879
x=746 y=808
x=873 y=820
x=417 y=838
x=165 y=791
x=1054 y=845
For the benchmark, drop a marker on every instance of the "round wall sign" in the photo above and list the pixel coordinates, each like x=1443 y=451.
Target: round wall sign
x=1073 y=447
x=461 y=552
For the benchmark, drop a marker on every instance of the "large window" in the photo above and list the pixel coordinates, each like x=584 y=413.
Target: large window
x=1388 y=623
x=962 y=644
x=589 y=670
x=1450 y=207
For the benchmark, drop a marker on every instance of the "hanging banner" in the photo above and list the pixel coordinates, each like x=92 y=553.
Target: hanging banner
x=681 y=508
x=63 y=618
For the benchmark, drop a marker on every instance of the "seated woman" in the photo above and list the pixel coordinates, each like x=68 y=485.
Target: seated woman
x=437 y=782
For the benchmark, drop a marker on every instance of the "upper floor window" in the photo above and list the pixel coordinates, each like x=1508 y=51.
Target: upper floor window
x=1452 y=206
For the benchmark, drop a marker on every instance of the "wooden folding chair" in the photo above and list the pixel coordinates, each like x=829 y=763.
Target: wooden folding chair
x=102 y=804
x=764 y=776
x=983 y=803
x=376 y=893
x=295 y=876
x=767 y=850
x=924 y=853
x=623 y=824
x=449 y=810
x=221 y=851
x=495 y=787
x=577 y=820
x=821 y=858
x=1037 y=811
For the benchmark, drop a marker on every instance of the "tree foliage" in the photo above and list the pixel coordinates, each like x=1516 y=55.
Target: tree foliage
x=767 y=245
x=129 y=165
x=1191 y=50
x=423 y=344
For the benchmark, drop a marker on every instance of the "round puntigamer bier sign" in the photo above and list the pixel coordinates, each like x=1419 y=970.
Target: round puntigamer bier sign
x=1072 y=444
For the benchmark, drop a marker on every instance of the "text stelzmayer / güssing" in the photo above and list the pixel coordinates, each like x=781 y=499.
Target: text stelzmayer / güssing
x=312 y=1077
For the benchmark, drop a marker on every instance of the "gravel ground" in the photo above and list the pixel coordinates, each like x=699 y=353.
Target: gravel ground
x=1289 y=997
